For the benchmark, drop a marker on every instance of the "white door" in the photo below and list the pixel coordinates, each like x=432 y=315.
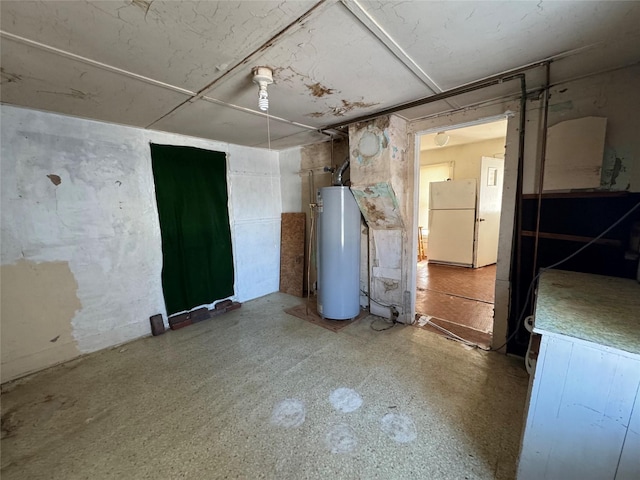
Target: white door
x=489 y=205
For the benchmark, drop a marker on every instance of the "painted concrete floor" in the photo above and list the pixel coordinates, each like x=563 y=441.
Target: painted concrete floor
x=257 y=393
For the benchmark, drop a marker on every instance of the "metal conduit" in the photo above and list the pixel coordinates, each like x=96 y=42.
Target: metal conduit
x=543 y=157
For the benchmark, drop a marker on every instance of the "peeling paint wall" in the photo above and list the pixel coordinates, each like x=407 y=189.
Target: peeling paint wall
x=614 y=96
x=383 y=183
x=78 y=205
x=38 y=304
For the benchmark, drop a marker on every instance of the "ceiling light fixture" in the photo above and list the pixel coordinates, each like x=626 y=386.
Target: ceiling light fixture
x=262 y=76
x=441 y=139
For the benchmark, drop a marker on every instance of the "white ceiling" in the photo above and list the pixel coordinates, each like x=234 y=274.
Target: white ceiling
x=185 y=67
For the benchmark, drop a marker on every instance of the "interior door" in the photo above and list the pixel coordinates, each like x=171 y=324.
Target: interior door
x=488 y=211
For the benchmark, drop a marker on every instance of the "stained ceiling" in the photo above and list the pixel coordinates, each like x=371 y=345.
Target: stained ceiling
x=185 y=67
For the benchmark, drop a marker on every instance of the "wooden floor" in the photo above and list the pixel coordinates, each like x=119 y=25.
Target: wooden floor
x=459 y=299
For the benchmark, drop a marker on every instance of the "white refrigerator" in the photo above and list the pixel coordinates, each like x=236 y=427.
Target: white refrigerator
x=452 y=219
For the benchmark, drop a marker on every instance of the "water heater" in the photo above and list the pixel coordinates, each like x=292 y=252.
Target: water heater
x=338 y=254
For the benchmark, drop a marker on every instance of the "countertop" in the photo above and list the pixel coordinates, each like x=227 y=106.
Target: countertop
x=595 y=308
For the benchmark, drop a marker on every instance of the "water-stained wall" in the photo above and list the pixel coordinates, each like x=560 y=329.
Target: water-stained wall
x=81 y=249
x=382 y=182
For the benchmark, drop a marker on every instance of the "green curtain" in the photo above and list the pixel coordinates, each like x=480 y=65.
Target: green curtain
x=191 y=193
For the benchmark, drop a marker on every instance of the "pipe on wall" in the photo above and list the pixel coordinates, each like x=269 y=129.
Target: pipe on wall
x=338 y=181
x=543 y=157
x=471 y=87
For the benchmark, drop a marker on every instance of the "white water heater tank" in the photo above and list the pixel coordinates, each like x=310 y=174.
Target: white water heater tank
x=338 y=254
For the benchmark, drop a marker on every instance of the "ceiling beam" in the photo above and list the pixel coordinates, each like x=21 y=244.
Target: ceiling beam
x=295 y=25
x=374 y=27
x=260 y=114
x=470 y=87
x=94 y=63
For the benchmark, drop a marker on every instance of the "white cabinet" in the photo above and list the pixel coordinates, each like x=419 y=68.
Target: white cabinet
x=583 y=418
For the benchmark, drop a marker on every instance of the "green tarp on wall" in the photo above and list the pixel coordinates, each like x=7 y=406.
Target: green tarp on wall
x=191 y=193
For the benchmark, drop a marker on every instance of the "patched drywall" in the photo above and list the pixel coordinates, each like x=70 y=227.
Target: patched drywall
x=81 y=192
x=613 y=95
x=575 y=149
x=38 y=303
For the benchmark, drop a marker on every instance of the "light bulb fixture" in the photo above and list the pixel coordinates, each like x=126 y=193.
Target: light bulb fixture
x=262 y=76
x=441 y=139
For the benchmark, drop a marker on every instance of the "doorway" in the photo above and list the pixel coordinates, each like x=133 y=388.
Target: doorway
x=456 y=271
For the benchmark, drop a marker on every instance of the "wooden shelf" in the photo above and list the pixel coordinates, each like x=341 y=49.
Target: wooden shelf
x=594 y=194
x=572 y=238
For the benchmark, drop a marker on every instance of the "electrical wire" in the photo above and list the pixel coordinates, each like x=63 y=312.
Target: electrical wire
x=375 y=301
x=389 y=327
x=550 y=267
x=268 y=130
x=453 y=336
x=393 y=321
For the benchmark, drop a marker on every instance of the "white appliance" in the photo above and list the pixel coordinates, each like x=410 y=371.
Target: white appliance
x=452 y=218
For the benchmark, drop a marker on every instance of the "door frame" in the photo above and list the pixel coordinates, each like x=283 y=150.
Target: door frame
x=503 y=255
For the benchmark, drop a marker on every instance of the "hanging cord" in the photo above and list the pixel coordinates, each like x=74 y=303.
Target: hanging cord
x=550 y=267
x=453 y=336
x=268 y=130
x=394 y=311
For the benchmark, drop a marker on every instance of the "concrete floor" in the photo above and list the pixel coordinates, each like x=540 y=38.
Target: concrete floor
x=257 y=393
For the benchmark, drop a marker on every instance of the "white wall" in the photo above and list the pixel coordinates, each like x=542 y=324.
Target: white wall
x=290 y=180
x=82 y=260
x=465 y=158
